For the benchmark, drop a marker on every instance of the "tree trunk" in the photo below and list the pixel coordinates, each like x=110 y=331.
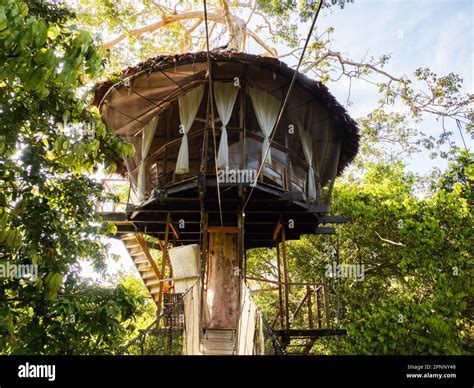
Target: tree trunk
x=236 y=27
x=221 y=302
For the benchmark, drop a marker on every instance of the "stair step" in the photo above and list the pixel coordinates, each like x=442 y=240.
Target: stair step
x=143 y=267
x=135 y=254
x=132 y=245
x=219 y=334
x=154 y=289
x=134 y=249
x=128 y=237
x=218 y=345
x=219 y=353
x=140 y=260
x=151 y=282
x=148 y=275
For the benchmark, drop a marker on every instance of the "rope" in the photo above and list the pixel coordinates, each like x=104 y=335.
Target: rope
x=285 y=101
x=458 y=123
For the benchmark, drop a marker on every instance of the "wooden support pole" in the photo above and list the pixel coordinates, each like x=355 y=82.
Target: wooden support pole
x=242 y=125
x=276 y=232
x=299 y=307
x=165 y=257
x=240 y=240
x=174 y=231
x=280 y=292
x=309 y=291
x=204 y=256
x=285 y=275
x=245 y=263
x=326 y=304
x=204 y=231
x=318 y=307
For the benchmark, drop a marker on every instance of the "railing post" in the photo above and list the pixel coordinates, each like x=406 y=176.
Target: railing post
x=318 y=306
x=326 y=305
x=280 y=292
x=285 y=273
x=310 y=307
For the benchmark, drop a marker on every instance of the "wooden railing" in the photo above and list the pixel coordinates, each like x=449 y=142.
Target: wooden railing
x=160 y=165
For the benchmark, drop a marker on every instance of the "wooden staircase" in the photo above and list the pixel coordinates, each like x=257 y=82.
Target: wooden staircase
x=219 y=342
x=137 y=248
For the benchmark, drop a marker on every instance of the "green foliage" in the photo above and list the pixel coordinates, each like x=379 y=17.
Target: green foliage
x=417 y=293
x=83 y=319
x=50 y=142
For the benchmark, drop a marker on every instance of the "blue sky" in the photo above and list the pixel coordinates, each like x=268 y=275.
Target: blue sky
x=417 y=33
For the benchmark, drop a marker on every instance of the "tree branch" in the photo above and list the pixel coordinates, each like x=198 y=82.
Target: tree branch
x=390 y=241
x=345 y=62
x=197 y=15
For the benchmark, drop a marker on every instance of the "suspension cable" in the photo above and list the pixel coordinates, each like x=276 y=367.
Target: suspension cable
x=211 y=99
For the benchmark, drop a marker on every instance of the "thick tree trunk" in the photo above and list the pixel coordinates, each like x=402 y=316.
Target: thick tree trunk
x=236 y=27
x=221 y=302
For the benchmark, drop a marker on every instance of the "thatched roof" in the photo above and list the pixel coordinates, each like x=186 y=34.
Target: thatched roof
x=344 y=124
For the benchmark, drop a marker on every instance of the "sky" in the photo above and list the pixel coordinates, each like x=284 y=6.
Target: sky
x=417 y=33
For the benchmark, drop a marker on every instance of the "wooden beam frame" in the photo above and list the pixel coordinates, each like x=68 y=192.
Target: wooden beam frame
x=285 y=275
x=280 y=291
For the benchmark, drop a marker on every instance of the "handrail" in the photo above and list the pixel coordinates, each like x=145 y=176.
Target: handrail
x=284 y=178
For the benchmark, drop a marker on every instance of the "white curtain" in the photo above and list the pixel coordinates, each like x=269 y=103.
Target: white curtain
x=307 y=143
x=148 y=132
x=266 y=109
x=188 y=108
x=225 y=96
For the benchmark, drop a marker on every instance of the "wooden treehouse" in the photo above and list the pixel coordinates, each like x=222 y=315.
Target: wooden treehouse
x=213 y=176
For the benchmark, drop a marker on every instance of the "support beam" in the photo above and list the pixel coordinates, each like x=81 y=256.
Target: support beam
x=285 y=275
x=332 y=219
x=326 y=305
x=318 y=308
x=328 y=230
x=165 y=252
x=276 y=232
x=174 y=231
x=280 y=291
